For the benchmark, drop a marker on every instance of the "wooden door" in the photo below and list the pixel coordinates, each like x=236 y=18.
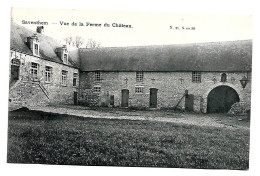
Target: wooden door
x=14 y=73
x=153 y=98
x=125 y=98
x=112 y=101
x=189 y=102
x=75 y=98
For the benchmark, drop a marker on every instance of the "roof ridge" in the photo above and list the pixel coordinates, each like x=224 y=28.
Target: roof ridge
x=165 y=45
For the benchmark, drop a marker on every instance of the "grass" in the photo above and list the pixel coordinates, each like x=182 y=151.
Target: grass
x=38 y=137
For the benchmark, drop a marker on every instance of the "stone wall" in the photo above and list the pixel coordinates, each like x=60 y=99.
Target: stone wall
x=33 y=89
x=171 y=88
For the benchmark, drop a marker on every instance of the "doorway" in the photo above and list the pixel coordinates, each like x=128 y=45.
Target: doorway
x=221 y=98
x=14 y=73
x=189 y=102
x=153 y=98
x=75 y=98
x=125 y=98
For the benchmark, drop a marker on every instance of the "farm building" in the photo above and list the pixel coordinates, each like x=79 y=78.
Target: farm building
x=201 y=77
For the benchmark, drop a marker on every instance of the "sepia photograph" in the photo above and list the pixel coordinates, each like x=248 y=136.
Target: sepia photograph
x=129 y=89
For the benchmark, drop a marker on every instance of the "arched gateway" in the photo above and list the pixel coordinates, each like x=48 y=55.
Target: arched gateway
x=221 y=98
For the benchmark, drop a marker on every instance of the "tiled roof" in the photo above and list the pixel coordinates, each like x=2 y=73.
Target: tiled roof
x=46 y=43
x=213 y=56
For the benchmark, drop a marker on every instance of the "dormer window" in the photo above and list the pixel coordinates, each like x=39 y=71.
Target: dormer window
x=33 y=43
x=62 y=53
x=36 y=49
x=65 y=58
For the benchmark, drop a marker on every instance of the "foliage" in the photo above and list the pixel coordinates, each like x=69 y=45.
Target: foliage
x=91 y=43
x=79 y=41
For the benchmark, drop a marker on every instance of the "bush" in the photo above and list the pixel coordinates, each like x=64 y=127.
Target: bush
x=239 y=108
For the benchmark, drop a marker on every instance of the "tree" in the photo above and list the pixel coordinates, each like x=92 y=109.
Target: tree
x=69 y=40
x=78 y=41
x=91 y=43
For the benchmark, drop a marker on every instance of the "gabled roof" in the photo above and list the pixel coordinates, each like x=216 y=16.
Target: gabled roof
x=213 y=56
x=47 y=45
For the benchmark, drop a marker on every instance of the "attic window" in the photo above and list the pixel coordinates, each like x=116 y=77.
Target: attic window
x=223 y=77
x=196 y=77
x=97 y=76
x=36 y=49
x=65 y=58
x=139 y=76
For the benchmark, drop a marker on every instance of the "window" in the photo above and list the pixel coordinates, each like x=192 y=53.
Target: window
x=48 y=71
x=139 y=76
x=36 y=49
x=223 y=77
x=75 y=75
x=97 y=89
x=97 y=77
x=139 y=89
x=34 y=70
x=65 y=58
x=196 y=77
x=64 y=78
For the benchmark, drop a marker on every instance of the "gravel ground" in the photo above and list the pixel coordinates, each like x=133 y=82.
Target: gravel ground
x=210 y=120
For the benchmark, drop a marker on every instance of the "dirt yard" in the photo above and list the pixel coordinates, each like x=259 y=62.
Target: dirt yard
x=199 y=119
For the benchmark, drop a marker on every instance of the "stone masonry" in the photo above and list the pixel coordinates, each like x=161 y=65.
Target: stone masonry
x=27 y=91
x=171 y=88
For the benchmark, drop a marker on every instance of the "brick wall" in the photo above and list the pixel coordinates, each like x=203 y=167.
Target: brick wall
x=171 y=88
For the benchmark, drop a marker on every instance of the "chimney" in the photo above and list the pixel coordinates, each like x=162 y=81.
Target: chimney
x=40 y=29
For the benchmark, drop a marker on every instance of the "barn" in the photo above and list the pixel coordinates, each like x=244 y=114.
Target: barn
x=201 y=77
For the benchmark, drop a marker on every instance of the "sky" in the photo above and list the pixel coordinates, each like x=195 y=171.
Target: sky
x=146 y=28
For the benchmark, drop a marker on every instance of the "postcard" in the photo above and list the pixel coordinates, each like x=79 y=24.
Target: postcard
x=132 y=89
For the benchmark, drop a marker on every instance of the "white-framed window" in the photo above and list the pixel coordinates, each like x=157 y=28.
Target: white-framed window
x=48 y=72
x=97 y=76
x=97 y=89
x=196 y=77
x=34 y=69
x=75 y=75
x=65 y=58
x=139 y=76
x=64 y=75
x=36 y=49
x=139 y=89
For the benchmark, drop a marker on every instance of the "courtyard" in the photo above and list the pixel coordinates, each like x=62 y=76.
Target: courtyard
x=78 y=135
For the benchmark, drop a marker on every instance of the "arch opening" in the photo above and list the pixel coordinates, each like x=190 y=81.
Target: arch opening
x=221 y=98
